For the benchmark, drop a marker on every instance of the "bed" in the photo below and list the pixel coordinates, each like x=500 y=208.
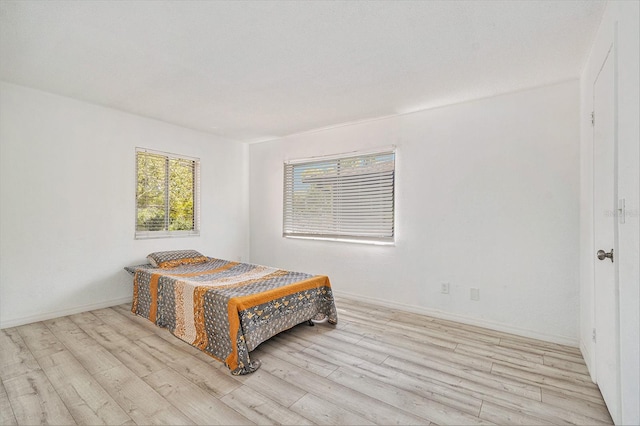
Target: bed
x=225 y=308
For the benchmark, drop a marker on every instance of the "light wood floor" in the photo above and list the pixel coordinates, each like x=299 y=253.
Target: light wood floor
x=378 y=366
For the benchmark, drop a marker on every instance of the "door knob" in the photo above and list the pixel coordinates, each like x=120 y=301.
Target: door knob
x=602 y=255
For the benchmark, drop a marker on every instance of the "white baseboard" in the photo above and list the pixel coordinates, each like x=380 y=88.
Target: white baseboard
x=563 y=340
x=63 y=312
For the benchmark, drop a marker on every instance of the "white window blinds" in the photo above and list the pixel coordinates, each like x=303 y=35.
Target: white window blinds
x=349 y=197
x=167 y=195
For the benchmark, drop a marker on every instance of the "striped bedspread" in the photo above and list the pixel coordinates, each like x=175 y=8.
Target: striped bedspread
x=227 y=309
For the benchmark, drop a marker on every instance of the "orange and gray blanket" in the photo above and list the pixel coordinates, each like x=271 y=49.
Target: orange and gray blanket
x=227 y=309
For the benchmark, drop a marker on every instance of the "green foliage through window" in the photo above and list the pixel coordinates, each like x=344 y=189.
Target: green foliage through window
x=166 y=193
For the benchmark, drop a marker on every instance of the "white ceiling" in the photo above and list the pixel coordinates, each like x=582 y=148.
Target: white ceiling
x=262 y=69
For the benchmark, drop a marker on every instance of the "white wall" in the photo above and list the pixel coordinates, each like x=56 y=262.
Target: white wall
x=67 y=206
x=487 y=197
x=626 y=17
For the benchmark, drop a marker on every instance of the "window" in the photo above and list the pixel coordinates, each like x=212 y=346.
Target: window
x=167 y=195
x=348 y=197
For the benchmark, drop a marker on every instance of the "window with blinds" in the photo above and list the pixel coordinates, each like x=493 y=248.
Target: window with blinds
x=348 y=197
x=167 y=195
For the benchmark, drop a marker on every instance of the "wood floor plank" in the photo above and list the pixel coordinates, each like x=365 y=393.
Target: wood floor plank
x=503 y=416
x=538 y=346
x=442 y=365
x=390 y=376
x=294 y=355
x=564 y=356
x=87 y=401
x=584 y=389
x=447 y=333
x=496 y=352
x=119 y=322
x=15 y=357
x=506 y=399
x=480 y=386
x=322 y=412
x=481 y=330
x=507 y=339
x=94 y=327
x=35 y=401
x=40 y=339
x=353 y=353
x=407 y=401
x=213 y=379
x=6 y=412
x=434 y=352
x=460 y=331
x=445 y=329
x=134 y=357
x=374 y=410
x=140 y=401
x=261 y=410
x=320 y=330
x=119 y=343
x=197 y=404
x=568 y=373
x=432 y=390
x=375 y=311
x=387 y=328
x=455 y=372
x=274 y=388
x=144 y=325
x=588 y=408
x=334 y=356
x=564 y=364
x=90 y=353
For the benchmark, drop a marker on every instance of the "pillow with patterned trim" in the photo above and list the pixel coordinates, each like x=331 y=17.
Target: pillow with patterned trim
x=173 y=258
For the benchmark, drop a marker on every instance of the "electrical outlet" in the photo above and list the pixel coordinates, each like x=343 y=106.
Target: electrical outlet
x=444 y=288
x=475 y=294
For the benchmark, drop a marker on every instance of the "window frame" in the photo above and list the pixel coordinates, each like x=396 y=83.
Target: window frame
x=166 y=233
x=342 y=237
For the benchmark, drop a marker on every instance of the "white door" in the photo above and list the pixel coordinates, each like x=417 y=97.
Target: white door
x=605 y=234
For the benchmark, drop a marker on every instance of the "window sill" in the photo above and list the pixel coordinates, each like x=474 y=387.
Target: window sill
x=371 y=242
x=165 y=234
